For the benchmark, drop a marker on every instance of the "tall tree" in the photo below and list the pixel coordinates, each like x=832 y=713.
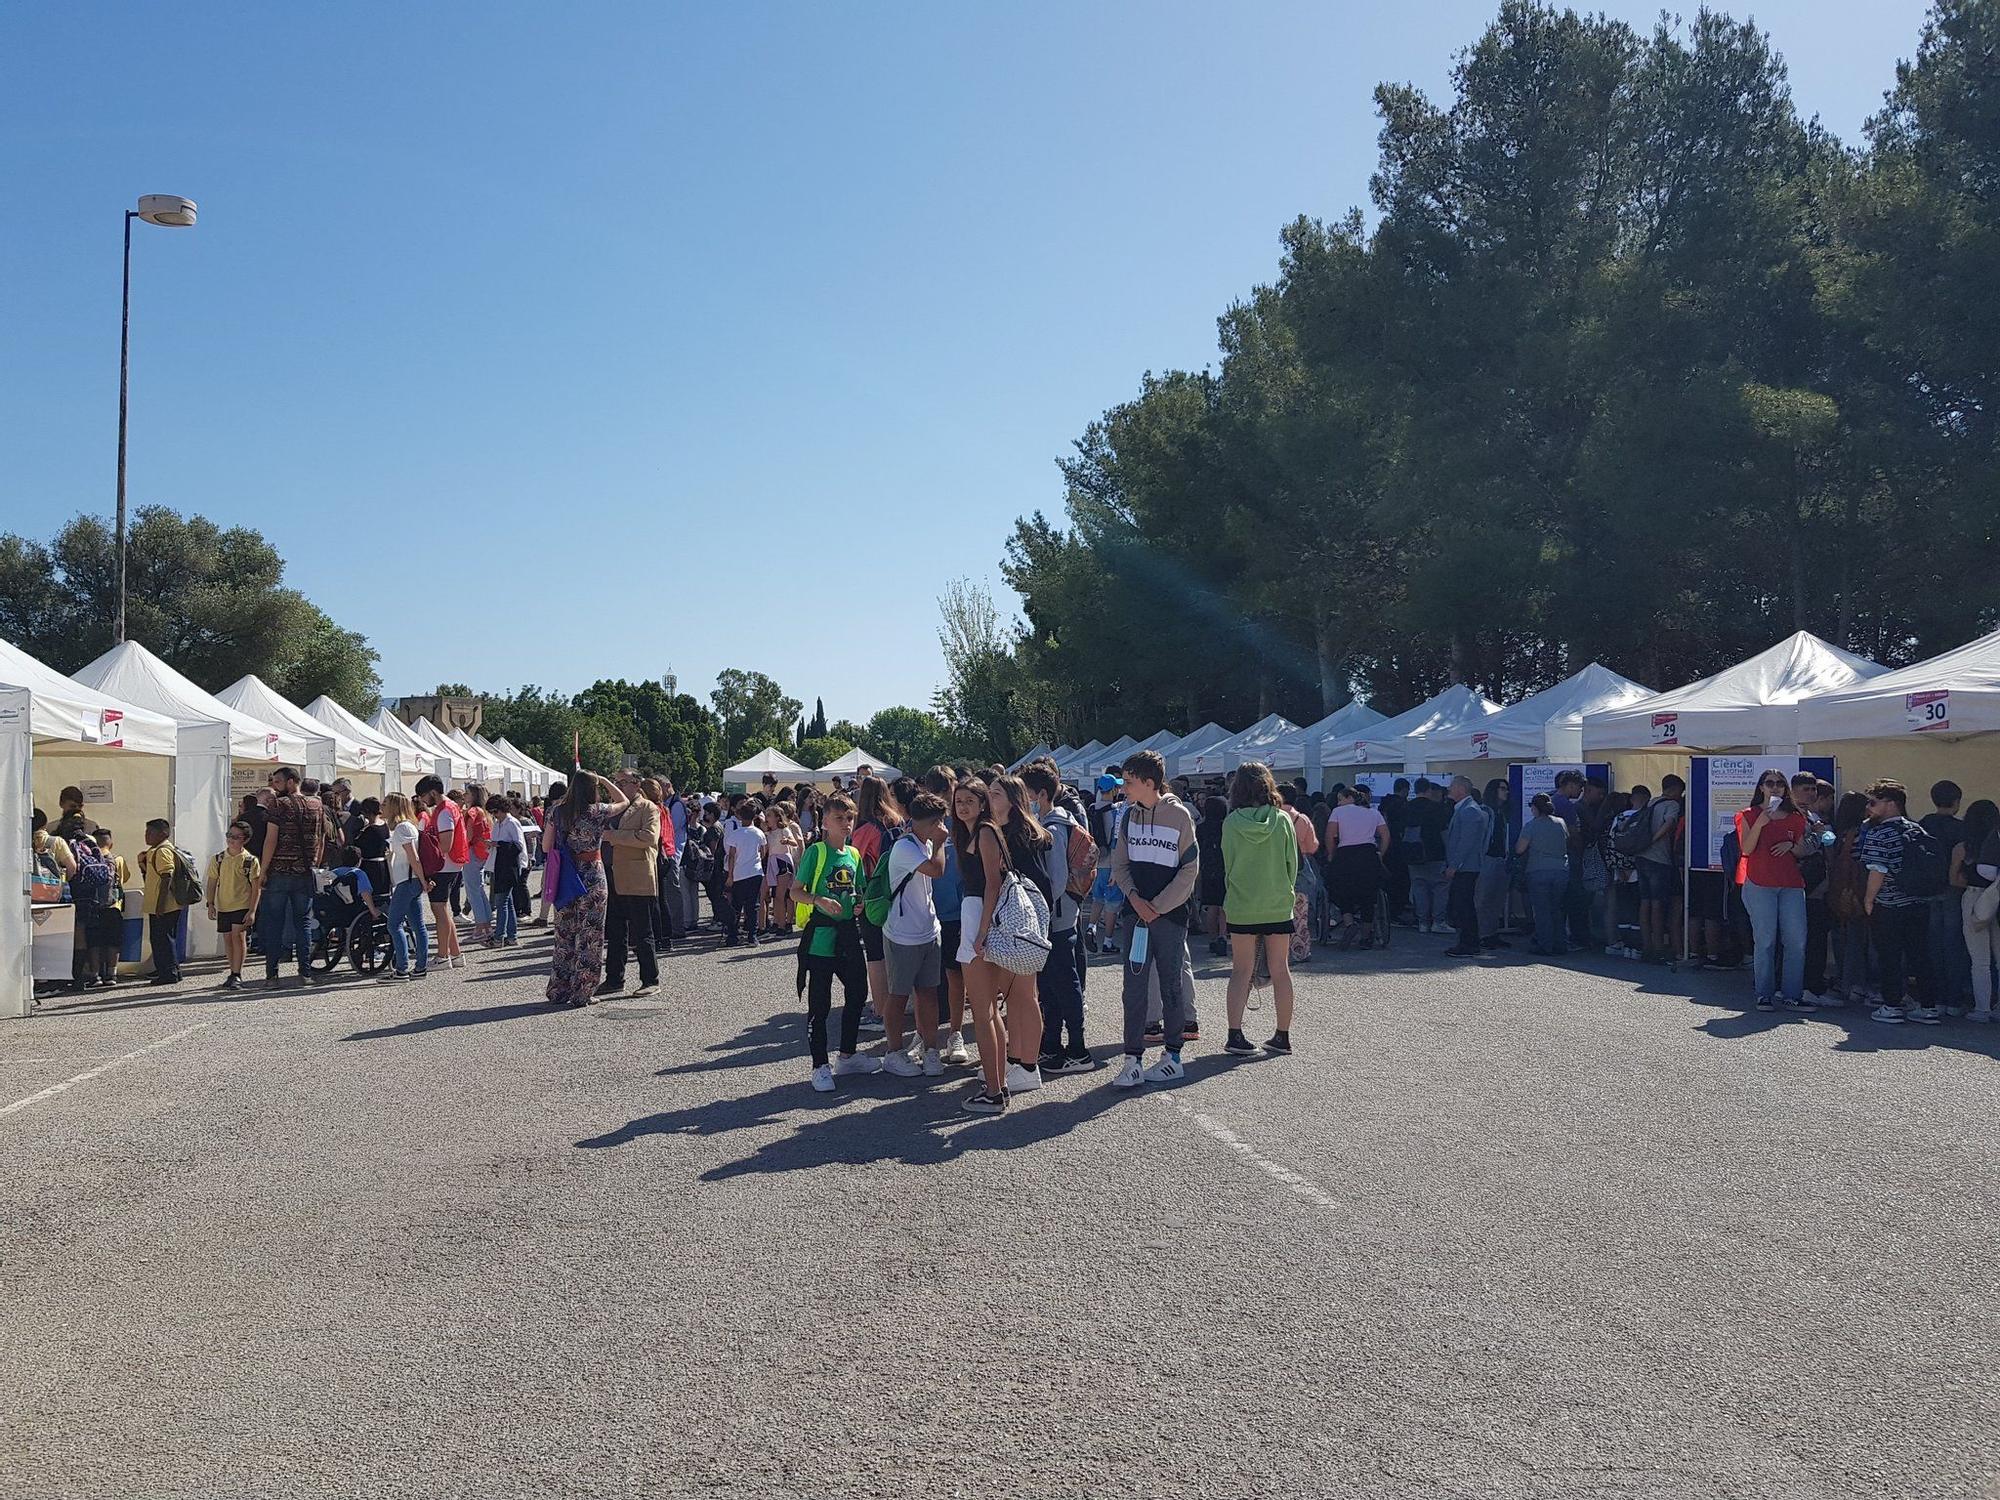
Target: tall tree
x=754 y=711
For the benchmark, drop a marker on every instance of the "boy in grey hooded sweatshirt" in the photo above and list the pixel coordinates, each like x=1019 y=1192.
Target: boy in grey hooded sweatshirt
x=1156 y=863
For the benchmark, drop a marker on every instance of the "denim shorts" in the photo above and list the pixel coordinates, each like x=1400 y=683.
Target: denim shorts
x=1657 y=881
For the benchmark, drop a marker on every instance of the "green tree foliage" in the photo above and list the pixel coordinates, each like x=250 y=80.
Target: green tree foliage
x=910 y=739
x=1632 y=365
x=822 y=749
x=671 y=734
x=209 y=601
x=816 y=726
x=754 y=711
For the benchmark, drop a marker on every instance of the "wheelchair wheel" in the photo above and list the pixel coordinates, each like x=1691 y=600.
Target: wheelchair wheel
x=367 y=944
x=1383 y=926
x=328 y=944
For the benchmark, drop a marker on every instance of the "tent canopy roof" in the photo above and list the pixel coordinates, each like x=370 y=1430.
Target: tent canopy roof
x=1754 y=703
x=774 y=761
x=1521 y=730
x=252 y=695
x=1288 y=751
x=852 y=762
x=1878 y=707
x=1244 y=744
x=1385 y=740
x=1193 y=743
x=128 y=670
x=325 y=711
x=67 y=710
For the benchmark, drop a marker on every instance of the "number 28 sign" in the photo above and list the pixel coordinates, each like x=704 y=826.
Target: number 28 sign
x=1924 y=712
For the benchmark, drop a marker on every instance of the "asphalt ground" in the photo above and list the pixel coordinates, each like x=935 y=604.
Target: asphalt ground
x=1497 y=1229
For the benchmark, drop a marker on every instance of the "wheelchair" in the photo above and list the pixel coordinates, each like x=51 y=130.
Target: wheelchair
x=344 y=930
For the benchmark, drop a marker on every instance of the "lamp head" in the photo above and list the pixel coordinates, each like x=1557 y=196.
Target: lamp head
x=167 y=210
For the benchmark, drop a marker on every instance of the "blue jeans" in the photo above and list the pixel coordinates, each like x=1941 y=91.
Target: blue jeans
x=1548 y=891
x=281 y=919
x=475 y=890
x=1777 y=915
x=505 y=919
x=406 y=908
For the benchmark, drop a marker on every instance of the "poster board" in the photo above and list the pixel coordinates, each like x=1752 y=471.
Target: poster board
x=1720 y=786
x=1530 y=780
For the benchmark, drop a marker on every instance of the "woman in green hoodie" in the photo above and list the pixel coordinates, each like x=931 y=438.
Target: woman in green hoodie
x=1260 y=863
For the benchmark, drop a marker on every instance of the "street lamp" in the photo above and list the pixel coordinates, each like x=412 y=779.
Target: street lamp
x=170 y=212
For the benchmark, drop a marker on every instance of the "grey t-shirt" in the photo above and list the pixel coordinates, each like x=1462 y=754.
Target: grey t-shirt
x=1548 y=844
x=1662 y=812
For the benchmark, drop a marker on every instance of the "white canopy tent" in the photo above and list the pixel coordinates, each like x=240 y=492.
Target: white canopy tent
x=1387 y=742
x=50 y=723
x=1543 y=726
x=779 y=764
x=255 y=697
x=419 y=754
x=1945 y=697
x=1157 y=741
x=213 y=740
x=395 y=759
x=1256 y=742
x=1041 y=749
x=851 y=763
x=463 y=767
x=1214 y=758
x=545 y=776
x=486 y=766
x=1062 y=752
x=1112 y=754
x=1181 y=753
x=1300 y=748
x=1088 y=757
x=1753 y=705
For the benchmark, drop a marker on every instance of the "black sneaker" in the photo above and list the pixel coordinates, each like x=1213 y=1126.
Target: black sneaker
x=1191 y=1032
x=611 y=987
x=233 y=982
x=1282 y=1045
x=1239 y=1045
x=1155 y=1034
x=1071 y=1062
x=983 y=1103
x=1050 y=1062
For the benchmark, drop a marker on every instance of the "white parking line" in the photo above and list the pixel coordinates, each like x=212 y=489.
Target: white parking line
x=58 y=1088
x=1304 y=1186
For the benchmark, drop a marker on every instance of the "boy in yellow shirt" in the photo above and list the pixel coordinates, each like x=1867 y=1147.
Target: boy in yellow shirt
x=107 y=927
x=235 y=881
x=163 y=912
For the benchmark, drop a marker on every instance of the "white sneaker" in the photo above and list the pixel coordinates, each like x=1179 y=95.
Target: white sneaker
x=850 y=1063
x=1022 y=1080
x=899 y=1064
x=956 y=1054
x=1167 y=1070
x=823 y=1078
x=1444 y=929
x=1926 y=1015
x=1888 y=1015
x=644 y=990
x=1131 y=1075
x=932 y=1064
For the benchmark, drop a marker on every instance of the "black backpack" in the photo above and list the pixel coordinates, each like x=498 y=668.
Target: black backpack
x=1926 y=868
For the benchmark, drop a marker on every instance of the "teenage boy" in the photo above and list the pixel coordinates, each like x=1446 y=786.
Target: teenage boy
x=827 y=888
x=441 y=821
x=743 y=853
x=1154 y=866
x=1950 y=963
x=163 y=910
x=1897 y=922
x=235 y=881
x=1659 y=872
x=910 y=938
x=1058 y=986
x=1106 y=901
x=107 y=925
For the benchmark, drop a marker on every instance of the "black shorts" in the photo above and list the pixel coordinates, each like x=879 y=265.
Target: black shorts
x=1260 y=929
x=948 y=938
x=229 y=921
x=1658 y=881
x=1705 y=895
x=871 y=940
x=444 y=886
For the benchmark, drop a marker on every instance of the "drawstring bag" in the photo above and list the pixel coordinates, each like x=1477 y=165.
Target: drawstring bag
x=1018 y=940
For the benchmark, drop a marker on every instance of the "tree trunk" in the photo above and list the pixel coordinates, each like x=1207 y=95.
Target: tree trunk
x=1799 y=621
x=1332 y=679
x=1457 y=655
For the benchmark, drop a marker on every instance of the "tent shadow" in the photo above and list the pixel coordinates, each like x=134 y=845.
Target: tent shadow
x=446 y=1019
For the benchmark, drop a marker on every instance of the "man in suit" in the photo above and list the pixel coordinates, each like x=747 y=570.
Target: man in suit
x=631 y=871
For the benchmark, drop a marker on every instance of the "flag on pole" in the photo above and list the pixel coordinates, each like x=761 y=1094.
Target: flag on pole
x=576 y=749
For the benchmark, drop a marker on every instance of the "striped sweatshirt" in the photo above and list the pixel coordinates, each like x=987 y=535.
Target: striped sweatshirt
x=1157 y=855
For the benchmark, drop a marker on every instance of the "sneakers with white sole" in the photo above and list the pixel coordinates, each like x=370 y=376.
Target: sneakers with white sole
x=1167 y=1070
x=1888 y=1015
x=1022 y=1080
x=932 y=1064
x=1131 y=1075
x=823 y=1078
x=1927 y=1015
x=851 y=1063
x=899 y=1064
x=956 y=1053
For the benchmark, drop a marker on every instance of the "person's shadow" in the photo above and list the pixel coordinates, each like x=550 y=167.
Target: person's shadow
x=445 y=1019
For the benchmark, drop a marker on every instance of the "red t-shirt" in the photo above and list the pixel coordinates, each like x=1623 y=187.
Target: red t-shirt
x=1760 y=866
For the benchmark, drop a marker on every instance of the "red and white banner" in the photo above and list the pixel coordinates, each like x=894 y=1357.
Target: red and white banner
x=111 y=728
x=1927 y=712
x=1666 y=729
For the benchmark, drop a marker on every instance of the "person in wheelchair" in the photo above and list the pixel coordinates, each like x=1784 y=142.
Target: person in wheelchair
x=347 y=894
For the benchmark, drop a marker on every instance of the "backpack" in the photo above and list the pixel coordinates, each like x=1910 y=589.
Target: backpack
x=1082 y=862
x=430 y=858
x=1019 y=938
x=1632 y=833
x=184 y=885
x=698 y=860
x=1926 y=868
x=90 y=885
x=461 y=849
x=877 y=900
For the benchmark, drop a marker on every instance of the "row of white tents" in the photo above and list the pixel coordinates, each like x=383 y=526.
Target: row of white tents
x=1802 y=692
x=143 y=741
x=789 y=772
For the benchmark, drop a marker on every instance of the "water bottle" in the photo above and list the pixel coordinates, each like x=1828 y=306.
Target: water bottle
x=1137 y=957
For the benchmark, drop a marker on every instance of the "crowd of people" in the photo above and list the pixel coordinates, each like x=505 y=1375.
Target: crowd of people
x=957 y=912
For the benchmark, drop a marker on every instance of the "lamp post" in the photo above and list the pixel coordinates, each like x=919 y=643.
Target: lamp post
x=170 y=212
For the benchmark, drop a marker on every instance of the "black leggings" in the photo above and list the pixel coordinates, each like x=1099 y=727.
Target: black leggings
x=820 y=974
x=744 y=896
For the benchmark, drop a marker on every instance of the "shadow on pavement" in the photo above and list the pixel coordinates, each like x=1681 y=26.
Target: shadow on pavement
x=444 y=1019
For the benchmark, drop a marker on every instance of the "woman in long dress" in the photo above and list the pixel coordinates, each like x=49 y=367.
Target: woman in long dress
x=577 y=829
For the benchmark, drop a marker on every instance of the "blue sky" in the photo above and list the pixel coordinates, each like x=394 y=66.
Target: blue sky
x=651 y=314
